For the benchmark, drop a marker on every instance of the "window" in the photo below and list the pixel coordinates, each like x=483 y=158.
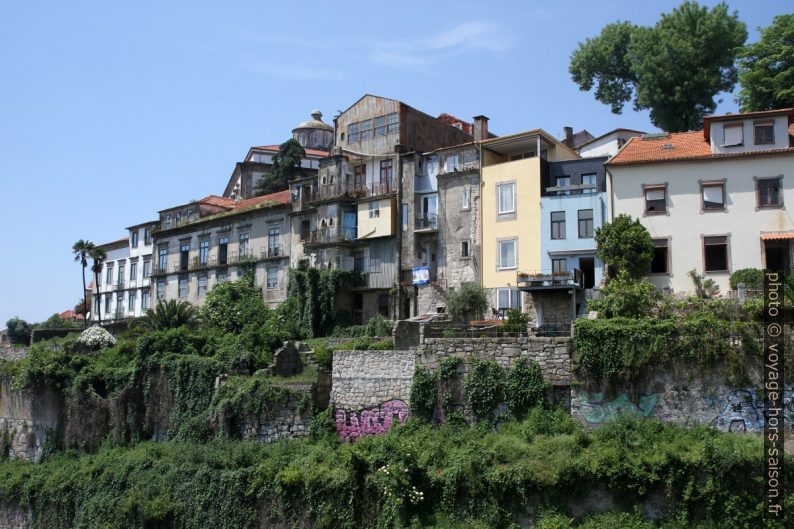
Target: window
x=366 y=129
x=380 y=126
x=764 y=133
x=655 y=199
x=120 y=275
x=145 y=299
x=147 y=236
x=131 y=301
x=183 y=285
x=109 y=275
x=562 y=182
x=244 y=244
x=204 y=251
x=306 y=228
x=715 y=254
x=272 y=277
x=162 y=258
x=769 y=193
x=385 y=171
x=221 y=276
x=585 y=223
x=272 y=239
x=352 y=133
x=134 y=238
x=506 y=194
x=189 y=214
x=589 y=179
x=508 y=298
x=360 y=176
x=432 y=167
x=184 y=253
x=178 y=218
x=559 y=266
x=713 y=196
x=161 y=289
x=660 y=261
x=133 y=271
x=393 y=121
x=202 y=284
x=119 y=305
x=464 y=249
x=557 y=224
x=733 y=135
x=374 y=209
x=465 y=198
x=507 y=254
x=147 y=268
x=223 y=250
x=108 y=302
x=405 y=217
x=451 y=163
x=167 y=221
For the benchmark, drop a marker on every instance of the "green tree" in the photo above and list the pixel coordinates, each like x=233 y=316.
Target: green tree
x=286 y=166
x=18 y=331
x=625 y=244
x=232 y=305
x=169 y=315
x=98 y=255
x=467 y=302
x=674 y=69
x=766 y=68
x=81 y=250
x=626 y=297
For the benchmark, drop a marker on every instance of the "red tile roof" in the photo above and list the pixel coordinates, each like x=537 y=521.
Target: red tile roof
x=778 y=235
x=215 y=200
x=676 y=146
x=449 y=119
x=70 y=315
x=310 y=152
x=282 y=197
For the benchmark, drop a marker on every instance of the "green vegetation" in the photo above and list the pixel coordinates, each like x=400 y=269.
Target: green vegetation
x=766 y=68
x=418 y=475
x=626 y=297
x=18 y=331
x=674 y=68
x=314 y=292
x=467 y=302
x=625 y=245
x=169 y=315
x=82 y=250
x=286 y=166
x=705 y=288
x=753 y=278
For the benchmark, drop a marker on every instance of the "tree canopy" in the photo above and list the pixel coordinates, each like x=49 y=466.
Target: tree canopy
x=674 y=69
x=766 y=68
x=18 y=331
x=286 y=166
x=625 y=245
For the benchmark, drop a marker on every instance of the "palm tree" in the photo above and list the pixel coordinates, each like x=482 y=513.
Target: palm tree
x=81 y=250
x=169 y=315
x=99 y=256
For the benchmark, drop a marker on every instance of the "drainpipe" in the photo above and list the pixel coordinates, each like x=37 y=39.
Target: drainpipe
x=611 y=196
x=398 y=312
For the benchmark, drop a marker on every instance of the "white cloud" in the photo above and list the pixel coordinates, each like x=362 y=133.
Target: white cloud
x=421 y=53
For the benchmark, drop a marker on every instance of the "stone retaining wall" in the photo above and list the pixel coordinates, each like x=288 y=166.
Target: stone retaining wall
x=13 y=353
x=365 y=379
x=26 y=418
x=287 y=419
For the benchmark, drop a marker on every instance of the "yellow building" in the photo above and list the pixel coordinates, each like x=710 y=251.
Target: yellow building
x=512 y=172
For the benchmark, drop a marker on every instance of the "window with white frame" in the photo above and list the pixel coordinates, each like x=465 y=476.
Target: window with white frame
x=161 y=289
x=147 y=267
x=202 y=284
x=109 y=275
x=131 y=301
x=183 y=286
x=134 y=238
x=508 y=298
x=108 y=303
x=451 y=163
x=272 y=277
x=374 y=209
x=393 y=123
x=589 y=180
x=244 y=244
x=133 y=271
x=120 y=275
x=507 y=254
x=465 y=198
x=506 y=194
x=145 y=299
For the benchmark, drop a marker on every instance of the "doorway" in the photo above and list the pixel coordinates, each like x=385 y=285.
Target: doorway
x=587 y=266
x=777 y=255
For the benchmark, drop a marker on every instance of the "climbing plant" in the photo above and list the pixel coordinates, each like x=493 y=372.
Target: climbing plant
x=315 y=291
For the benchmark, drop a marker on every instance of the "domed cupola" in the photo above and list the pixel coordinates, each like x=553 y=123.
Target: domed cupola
x=314 y=133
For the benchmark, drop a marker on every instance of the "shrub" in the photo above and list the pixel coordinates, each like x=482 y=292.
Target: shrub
x=232 y=305
x=524 y=387
x=626 y=297
x=467 y=302
x=625 y=245
x=96 y=338
x=517 y=322
x=18 y=331
x=168 y=315
x=483 y=388
x=705 y=288
x=753 y=279
x=324 y=356
x=423 y=394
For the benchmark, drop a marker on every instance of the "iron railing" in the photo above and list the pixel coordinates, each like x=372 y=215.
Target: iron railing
x=426 y=221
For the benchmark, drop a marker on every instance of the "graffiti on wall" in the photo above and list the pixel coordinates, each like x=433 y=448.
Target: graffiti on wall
x=742 y=410
x=372 y=421
x=597 y=409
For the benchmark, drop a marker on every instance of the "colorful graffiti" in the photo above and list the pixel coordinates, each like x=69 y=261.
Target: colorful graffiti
x=372 y=421
x=743 y=411
x=597 y=409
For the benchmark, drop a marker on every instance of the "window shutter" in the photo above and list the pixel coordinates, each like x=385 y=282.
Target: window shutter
x=712 y=194
x=733 y=135
x=654 y=194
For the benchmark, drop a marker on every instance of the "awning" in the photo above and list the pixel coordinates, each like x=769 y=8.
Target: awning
x=777 y=236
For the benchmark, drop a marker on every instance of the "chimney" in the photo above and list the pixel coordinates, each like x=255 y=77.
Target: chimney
x=480 y=129
x=567 y=136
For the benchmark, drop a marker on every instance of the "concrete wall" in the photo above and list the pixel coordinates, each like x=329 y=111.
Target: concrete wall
x=685 y=222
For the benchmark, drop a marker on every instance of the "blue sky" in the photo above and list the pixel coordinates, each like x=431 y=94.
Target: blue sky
x=111 y=111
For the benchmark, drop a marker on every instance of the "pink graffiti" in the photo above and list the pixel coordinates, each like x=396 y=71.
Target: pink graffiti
x=372 y=421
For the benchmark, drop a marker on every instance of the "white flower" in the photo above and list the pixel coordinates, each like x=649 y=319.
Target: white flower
x=96 y=338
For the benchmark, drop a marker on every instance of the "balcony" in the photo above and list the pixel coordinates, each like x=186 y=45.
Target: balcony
x=274 y=251
x=328 y=192
x=471 y=165
x=426 y=222
x=550 y=281
x=376 y=189
x=332 y=235
x=571 y=190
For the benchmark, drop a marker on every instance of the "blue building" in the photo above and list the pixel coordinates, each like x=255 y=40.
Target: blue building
x=573 y=204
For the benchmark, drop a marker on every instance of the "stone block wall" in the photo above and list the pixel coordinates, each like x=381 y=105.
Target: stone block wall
x=13 y=353
x=551 y=354
x=26 y=419
x=288 y=419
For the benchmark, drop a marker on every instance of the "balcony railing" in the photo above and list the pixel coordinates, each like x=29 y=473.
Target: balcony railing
x=572 y=190
x=426 y=221
x=549 y=280
x=328 y=192
x=376 y=189
x=330 y=235
x=273 y=252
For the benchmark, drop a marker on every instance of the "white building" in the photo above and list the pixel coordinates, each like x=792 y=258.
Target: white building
x=713 y=200
x=123 y=290
x=607 y=144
